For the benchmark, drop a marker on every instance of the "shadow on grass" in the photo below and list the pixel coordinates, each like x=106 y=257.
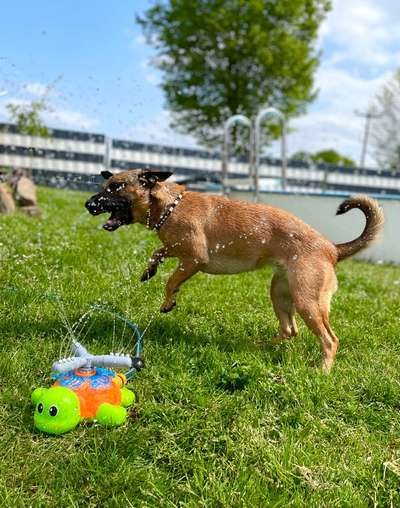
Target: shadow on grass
x=165 y=331
x=161 y=333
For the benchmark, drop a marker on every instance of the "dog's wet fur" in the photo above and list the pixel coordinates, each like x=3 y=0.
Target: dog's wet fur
x=217 y=235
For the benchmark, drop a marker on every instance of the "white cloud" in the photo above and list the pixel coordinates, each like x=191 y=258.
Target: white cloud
x=140 y=40
x=152 y=78
x=69 y=118
x=151 y=75
x=331 y=122
x=361 y=44
x=157 y=130
x=363 y=32
x=56 y=117
x=36 y=89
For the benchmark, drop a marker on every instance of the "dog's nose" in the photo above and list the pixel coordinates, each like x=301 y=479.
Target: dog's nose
x=90 y=205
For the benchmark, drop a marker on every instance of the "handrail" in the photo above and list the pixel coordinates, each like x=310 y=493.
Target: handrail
x=262 y=115
x=230 y=122
x=255 y=145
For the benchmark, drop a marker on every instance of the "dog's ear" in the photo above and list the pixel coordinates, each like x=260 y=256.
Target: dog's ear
x=106 y=174
x=150 y=178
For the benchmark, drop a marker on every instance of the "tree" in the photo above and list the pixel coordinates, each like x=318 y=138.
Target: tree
x=221 y=57
x=301 y=155
x=332 y=157
x=28 y=117
x=324 y=157
x=385 y=126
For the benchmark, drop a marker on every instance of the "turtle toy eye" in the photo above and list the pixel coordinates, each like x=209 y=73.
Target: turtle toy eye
x=53 y=410
x=40 y=408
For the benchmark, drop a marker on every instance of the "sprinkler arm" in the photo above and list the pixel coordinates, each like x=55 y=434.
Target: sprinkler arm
x=112 y=361
x=66 y=364
x=83 y=359
x=78 y=349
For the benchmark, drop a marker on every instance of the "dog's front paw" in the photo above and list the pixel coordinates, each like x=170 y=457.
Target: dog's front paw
x=167 y=307
x=278 y=339
x=148 y=274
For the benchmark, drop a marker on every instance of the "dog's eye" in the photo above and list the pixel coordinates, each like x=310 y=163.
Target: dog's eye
x=115 y=187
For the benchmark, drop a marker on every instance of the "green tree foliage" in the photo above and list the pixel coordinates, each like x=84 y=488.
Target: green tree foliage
x=301 y=155
x=221 y=57
x=331 y=157
x=28 y=117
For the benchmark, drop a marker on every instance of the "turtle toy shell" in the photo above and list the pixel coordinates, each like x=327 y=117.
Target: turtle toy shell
x=93 y=394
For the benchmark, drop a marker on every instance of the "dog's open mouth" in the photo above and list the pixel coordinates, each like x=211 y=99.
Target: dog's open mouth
x=118 y=218
x=120 y=210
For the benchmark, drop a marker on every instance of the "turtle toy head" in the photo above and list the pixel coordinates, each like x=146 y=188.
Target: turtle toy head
x=57 y=409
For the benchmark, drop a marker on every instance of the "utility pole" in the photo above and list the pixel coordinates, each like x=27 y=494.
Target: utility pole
x=368 y=115
x=398 y=159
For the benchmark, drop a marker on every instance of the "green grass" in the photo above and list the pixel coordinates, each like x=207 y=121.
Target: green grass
x=224 y=419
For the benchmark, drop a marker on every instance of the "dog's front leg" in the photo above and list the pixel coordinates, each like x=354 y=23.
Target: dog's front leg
x=186 y=269
x=157 y=257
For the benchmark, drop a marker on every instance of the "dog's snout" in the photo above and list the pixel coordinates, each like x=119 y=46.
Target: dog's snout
x=91 y=205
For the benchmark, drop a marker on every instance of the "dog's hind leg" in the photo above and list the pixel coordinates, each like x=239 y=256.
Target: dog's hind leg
x=283 y=306
x=157 y=257
x=186 y=269
x=312 y=288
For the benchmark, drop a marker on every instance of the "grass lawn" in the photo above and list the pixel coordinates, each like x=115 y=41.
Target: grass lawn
x=223 y=419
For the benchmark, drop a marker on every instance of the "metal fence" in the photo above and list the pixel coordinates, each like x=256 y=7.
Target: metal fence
x=74 y=159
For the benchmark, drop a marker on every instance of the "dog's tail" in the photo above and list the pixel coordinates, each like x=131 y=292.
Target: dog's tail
x=373 y=227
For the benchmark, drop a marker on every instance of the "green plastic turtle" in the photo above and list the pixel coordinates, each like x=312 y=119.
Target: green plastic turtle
x=77 y=395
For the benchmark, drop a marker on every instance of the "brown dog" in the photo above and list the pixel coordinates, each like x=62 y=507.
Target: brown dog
x=217 y=235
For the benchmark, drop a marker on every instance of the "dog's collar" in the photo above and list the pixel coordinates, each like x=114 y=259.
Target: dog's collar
x=167 y=213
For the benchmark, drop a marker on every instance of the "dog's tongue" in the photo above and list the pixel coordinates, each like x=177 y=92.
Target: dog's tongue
x=112 y=224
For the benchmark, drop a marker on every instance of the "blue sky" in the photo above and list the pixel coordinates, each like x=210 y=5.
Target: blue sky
x=95 y=50
x=95 y=55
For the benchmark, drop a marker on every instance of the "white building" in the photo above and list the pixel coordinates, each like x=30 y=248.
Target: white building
x=74 y=159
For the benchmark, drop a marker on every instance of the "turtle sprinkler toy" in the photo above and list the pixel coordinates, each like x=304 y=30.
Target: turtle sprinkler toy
x=86 y=387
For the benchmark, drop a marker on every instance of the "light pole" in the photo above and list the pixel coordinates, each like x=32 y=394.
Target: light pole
x=368 y=115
